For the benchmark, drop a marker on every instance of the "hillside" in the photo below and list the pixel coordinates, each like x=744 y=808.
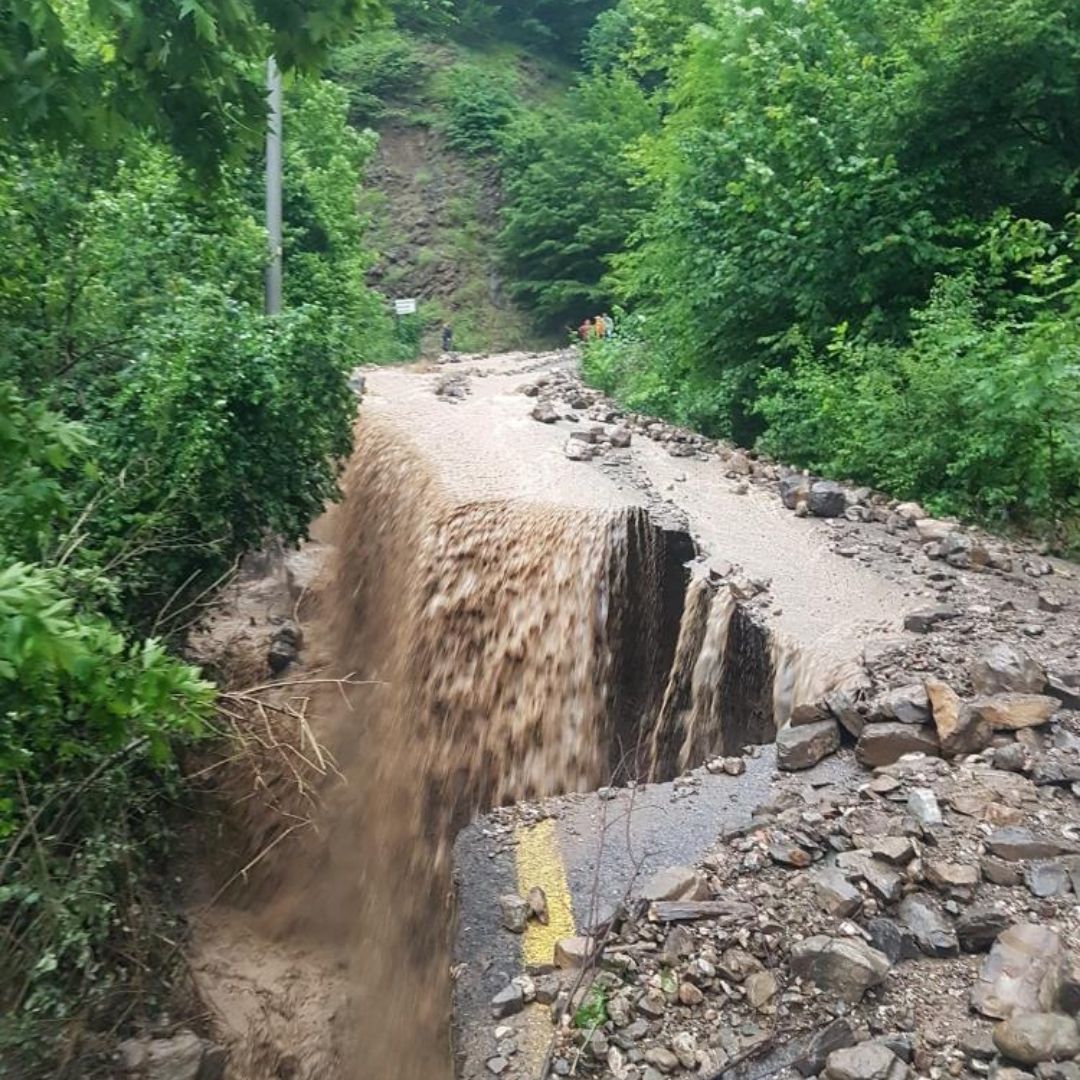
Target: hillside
x=433 y=192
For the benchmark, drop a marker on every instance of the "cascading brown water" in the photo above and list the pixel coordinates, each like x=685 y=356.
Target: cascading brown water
x=511 y=650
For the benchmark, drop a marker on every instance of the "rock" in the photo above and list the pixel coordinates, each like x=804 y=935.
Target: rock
x=514 y=913
x=1065 y=689
x=1068 y=995
x=907 y=704
x=867 y=1061
x=1012 y=712
x=923 y=806
x=659 y=1057
x=952 y=876
x=836 y=894
x=897 y=850
x=910 y=512
x=885 y=883
x=892 y=939
x=978 y=1045
x=1033 y=1037
x=761 y=987
x=933 y=531
x=1021 y=973
x=925 y=620
x=787 y=853
x=281 y=655
x=1046 y=878
x=620 y=437
x=841 y=703
x=1014 y=843
x=827 y=500
x=576 y=450
x=689 y=994
x=573 y=952
x=676 y=883
x=1001 y=668
x=538 y=905
x=803 y=747
x=885 y=743
x=802 y=715
x=844 y=966
x=736 y=964
x=507 y=1002
x=684 y=1046
x=929 y=925
x=679 y=943
x=184 y=1056
x=999 y=872
x=978 y=926
x=547 y=988
x=793 y=489
x=961 y=729
x=1057 y=1070
x=544 y=413
x=1011 y=758
x=497 y=1065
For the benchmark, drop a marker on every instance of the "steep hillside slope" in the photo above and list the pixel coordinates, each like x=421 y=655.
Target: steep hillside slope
x=433 y=194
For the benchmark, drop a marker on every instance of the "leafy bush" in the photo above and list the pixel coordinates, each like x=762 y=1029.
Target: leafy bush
x=978 y=415
x=480 y=105
x=88 y=719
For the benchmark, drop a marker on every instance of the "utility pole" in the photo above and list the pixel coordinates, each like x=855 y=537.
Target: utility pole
x=273 y=189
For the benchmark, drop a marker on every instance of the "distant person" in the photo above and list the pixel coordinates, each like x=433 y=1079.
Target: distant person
x=599 y=327
x=585 y=329
x=609 y=326
x=447 y=338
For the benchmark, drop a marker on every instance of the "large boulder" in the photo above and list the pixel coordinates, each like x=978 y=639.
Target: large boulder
x=827 y=499
x=1030 y=1038
x=906 y=704
x=1022 y=973
x=804 y=746
x=882 y=744
x=1012 y=711
x=867 y=1061
x=846 y=967
x=1001 y=668
x=794 y=489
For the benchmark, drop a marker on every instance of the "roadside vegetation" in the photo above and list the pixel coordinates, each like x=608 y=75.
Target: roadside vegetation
x=154 y=427
x=846 y=233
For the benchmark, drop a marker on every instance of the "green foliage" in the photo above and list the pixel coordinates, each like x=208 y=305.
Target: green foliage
x=380 y=71
x=88 y=719
x=480 y=104
x=592 y=1012
x=979 y=414
x=569 y=202
x=192 y=71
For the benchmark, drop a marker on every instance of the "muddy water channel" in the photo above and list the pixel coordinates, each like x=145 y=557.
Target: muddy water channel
x=508 y=651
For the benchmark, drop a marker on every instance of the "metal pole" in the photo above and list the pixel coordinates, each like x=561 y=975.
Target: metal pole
x=273 y=189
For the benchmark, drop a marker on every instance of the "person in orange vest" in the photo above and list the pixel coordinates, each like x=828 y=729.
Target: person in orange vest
x=585 y=329
x=599 y=327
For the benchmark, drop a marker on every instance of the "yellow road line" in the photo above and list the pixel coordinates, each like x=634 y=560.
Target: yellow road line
x=539 y=864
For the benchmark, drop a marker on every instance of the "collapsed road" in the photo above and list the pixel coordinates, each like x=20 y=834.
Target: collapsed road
x=686 y=676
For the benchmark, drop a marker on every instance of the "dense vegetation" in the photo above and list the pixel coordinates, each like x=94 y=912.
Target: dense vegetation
x=154 y=426
x=845 y=230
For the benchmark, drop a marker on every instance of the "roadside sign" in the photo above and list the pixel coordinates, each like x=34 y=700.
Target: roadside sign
x=404 y=307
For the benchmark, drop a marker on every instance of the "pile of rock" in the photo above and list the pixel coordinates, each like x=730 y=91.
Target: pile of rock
x=1012 y=715
x=920 y=924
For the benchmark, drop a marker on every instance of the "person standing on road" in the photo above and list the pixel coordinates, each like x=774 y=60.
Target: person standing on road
x=447 y=338
x=585 y=329
x=609 y=325
x=599 y=327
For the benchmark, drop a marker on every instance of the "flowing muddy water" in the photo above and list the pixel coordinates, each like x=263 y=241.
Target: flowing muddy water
x=514 y=650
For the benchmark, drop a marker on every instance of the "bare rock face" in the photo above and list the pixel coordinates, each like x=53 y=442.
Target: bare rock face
x=843 y=966
x=803 y=746
x=1001 y=669
x=1021 y=974
x=1031 y=1038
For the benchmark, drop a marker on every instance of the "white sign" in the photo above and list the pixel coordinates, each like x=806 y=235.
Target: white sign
x=404 y=307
